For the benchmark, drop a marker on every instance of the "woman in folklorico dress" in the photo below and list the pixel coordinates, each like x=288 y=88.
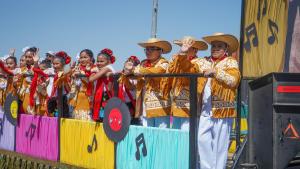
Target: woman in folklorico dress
x=31 y=57
x=81 y=89
x=104 y=87
x=62 y=78
x=127 y=87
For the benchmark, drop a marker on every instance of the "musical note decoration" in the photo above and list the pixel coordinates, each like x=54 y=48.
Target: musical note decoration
x=140 y=140
x=116 y=120
x=1 y=125
x=31 y=131
x=273 y=37
x=264 y=12
x=94 y=142
x=251 y=31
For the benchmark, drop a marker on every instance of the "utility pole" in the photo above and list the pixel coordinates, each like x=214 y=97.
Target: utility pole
x=154 y=19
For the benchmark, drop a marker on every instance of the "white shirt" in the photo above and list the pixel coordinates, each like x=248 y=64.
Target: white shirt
x=207 y=106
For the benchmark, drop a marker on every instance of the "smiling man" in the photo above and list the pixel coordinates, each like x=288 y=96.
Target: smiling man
x=155 y=109
x=221 y=79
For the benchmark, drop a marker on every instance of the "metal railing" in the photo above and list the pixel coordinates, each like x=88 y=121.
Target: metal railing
x=193 y=148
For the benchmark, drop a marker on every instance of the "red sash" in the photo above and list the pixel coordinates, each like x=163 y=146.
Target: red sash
x=101 y=84
x=34 y=83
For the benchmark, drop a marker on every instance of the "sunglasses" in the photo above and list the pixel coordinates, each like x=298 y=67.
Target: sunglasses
x=151 y=49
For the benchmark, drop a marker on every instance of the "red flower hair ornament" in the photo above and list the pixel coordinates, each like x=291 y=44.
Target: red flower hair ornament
x=64 y=55
x=109 y=53
x=134 y=59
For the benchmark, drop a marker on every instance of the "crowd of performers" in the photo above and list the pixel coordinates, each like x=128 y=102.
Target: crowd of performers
x=153 y=102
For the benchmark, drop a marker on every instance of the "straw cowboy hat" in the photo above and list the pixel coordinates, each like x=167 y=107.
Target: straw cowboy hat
x=230 y=40
x=155 y=42
x=200 y=45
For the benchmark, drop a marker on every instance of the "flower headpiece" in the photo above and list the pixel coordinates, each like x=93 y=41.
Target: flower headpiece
x=109 y=53
x=64 y=55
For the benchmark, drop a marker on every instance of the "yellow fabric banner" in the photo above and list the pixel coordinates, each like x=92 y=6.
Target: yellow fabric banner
x=265 y=28
x=85 y=144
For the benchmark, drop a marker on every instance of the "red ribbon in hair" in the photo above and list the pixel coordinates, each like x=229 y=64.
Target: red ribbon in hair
x=5 y=69
x=34 y=82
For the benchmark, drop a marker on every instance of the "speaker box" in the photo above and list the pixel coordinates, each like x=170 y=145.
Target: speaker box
x=274 y=120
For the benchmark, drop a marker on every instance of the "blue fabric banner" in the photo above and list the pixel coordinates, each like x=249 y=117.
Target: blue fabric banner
x=153 y=148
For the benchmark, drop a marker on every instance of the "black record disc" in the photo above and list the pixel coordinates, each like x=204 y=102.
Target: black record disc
x=11 y=108
x=116 y=119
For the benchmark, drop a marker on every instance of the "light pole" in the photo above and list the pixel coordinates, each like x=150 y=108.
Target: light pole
x=154 y=19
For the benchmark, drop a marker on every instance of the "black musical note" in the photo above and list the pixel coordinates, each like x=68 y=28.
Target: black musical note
x=251 y=30
x=1 y=125
x=140 y=141
x=264 y=9
x=90 y=147
x=31 y=130
x=273 y=37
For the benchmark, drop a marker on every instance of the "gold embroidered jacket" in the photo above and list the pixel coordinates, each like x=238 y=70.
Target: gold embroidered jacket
x=223 y=86
x=150 y=89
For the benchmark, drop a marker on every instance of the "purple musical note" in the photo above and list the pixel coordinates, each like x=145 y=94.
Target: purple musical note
x=31 y=131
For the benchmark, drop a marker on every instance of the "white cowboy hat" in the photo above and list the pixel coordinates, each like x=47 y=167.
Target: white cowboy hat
x=230 y=40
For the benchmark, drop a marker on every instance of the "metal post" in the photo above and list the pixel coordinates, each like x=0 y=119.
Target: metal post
x=154 y=19
x=60 y=104
x=239 y=95
x=193 y=123
x=116 y=85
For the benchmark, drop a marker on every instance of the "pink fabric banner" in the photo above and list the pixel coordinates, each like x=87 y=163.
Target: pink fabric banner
x=38 y=136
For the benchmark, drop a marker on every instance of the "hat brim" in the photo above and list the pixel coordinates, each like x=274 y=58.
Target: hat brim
x=200 y=45
x=230 y=40
x=164 y=45
x=50 y=54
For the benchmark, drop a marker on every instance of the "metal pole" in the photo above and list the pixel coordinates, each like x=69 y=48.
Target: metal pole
x=154 y=19
x=193 y=123
x=239 y=96
x=116 y=85
x=60 y=105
